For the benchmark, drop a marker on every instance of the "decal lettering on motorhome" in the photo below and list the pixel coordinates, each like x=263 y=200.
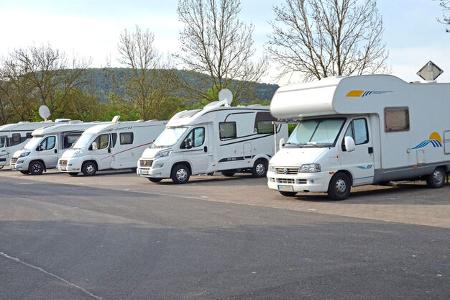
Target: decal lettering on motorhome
x=362 y=93
x=435 y=140
x=365 y=167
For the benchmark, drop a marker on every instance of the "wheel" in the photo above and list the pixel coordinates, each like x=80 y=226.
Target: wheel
x=36 y=168
x=228 y=173
x=89 y=168
x=1 y=167
x=288 y=194
x=340 y=186
x=259 y=168
x=154 y=179
x=24 y=172
x=437 y=178
x=73 y=174
x=180 y=174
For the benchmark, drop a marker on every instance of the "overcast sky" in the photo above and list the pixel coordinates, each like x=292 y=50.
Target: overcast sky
x=90 y=29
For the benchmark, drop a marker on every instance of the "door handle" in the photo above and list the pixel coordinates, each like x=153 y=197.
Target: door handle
x=109 y=150
x=56 y=150
x=205 y=149
x=370 y=150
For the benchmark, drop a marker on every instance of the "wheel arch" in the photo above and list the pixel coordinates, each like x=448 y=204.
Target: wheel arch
x=183 y=162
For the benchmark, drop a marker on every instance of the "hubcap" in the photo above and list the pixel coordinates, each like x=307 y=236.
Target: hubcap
x=260 y=169
x=182 y=174
x=90 y=168
x=341 y=186
x=36 y=168
x=437 y=177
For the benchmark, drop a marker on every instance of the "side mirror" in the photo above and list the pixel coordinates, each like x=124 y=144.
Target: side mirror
x=281 y=143
x=188 y=144
x=349 y=144
x=94 y=146
x=39 y=148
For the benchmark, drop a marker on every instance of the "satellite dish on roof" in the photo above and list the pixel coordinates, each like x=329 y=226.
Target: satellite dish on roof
x=226 y=95
x=44 y=112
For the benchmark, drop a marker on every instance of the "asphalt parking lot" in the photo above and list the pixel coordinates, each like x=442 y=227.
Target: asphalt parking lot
x=118 y=236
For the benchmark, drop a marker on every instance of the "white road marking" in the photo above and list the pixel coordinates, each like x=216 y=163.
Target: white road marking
x=18 y=260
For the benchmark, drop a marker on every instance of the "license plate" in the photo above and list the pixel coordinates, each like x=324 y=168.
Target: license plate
x=286 y=188
x=144 y=172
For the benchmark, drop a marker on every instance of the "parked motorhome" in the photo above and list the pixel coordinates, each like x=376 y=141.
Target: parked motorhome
x=361 y=130
x=14 y=136
x=47 y=145
x=117 y=145
x=215 y=138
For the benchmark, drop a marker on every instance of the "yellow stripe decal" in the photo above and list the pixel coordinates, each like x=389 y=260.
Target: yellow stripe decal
x=355 y=93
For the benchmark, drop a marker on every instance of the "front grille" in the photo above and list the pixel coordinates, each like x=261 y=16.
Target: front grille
x=286 y=171
x=63 y=162
x=145 y=163
x=14 y=160
x=302 y=181
x=286 y=180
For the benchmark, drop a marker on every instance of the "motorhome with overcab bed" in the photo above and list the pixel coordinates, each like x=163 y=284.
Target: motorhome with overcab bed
x=46 y=146
x=116 y=145
x=216 y=138
x=14 y=136
x=361 y=130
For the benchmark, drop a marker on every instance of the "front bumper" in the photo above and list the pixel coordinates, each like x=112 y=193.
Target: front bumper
x=301 y=182
x=20 y=163
x=69 y=165
x=147 y=167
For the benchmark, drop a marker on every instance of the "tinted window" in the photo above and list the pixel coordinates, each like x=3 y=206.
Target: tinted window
x=126 y=138
x=15 y=139
x=114 y=139
x=69 y=140
x=396 y=119
x=227 y=130
x=48 y=143
x=102 y=141
x=263 y=123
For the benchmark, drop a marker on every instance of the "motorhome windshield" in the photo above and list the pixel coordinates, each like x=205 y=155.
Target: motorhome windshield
x=83 y=141
x=315 y=133
x=3 y=141
x=33 y=143
x=169 y=137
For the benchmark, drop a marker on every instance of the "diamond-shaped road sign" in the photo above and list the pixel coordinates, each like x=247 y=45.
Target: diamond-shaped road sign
x=430 y=71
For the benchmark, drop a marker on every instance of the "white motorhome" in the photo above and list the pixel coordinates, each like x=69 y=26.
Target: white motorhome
x=117 y=145
x=361 y=130
x=47 y=145
x=14 y=136
x=215 y=138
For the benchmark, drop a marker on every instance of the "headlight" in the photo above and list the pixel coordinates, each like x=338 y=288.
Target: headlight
x=163 y=153
x=309 y=168
x=23 y=154
x=271 y=168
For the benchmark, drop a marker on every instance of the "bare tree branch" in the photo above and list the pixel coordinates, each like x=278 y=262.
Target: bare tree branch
x=321 y=38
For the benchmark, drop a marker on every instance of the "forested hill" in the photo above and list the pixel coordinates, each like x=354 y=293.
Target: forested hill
x=103 y=82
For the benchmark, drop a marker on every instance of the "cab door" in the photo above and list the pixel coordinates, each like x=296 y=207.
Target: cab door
x=48 y=151
x=360 y=162
x=101 y=151
x=195 y=149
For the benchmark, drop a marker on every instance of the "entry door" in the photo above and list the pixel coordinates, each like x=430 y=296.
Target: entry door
x=360 y=162
x=196 y=148
x=48 y=151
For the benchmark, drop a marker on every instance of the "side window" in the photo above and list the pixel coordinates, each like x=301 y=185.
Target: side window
x=113 y=139
x=29 y=136
x=126 y=138
x=15 y=139
x=358 y=131
x=263 y=123
x=396 y=119
x=227 y=130
x=69 y=140
x=48 y=143
x=102 y=141
x=199 y=136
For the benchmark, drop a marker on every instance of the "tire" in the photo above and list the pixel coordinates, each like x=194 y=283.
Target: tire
x=339 y=187
x=259 y=169
x=156 y=180
x=180 y=174
x=36 y=168
x=437 y=178
x=89 y=168
x=24 y=172
x=228 y=173
x=73 y=174
x=288 y=194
